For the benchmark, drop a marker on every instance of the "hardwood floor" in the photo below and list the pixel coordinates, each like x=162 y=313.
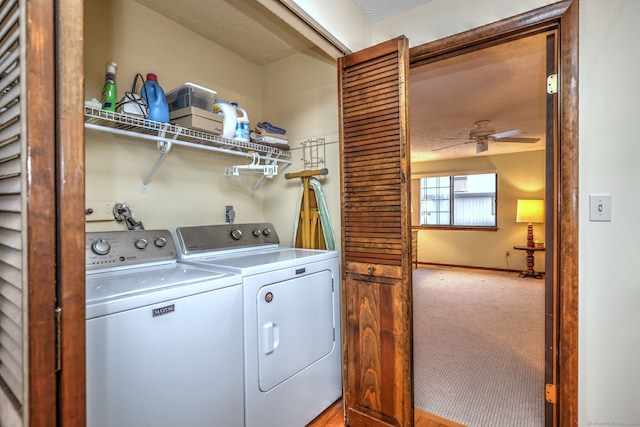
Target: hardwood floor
x=333 y=417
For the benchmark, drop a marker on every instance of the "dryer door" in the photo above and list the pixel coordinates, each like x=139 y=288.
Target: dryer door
x=295 y=326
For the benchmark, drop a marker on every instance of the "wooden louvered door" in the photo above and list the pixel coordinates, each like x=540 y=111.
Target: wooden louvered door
x=27 y=208
x=42 y=377
x=376 y=236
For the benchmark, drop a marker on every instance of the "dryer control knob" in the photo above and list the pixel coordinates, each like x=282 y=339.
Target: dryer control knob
x=256 y=233
x=236 y=234
x=266 y=231
x=101 y=247
x=141 y=243
x=160 y=242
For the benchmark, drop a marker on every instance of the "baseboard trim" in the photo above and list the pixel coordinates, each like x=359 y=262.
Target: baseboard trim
x=475 y=267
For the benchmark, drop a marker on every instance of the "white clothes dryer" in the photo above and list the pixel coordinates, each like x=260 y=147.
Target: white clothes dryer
x=292 y=328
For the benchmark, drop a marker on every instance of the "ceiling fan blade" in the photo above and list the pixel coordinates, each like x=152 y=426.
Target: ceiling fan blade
x=507 y=133
x=451 y=145
x=526 y=140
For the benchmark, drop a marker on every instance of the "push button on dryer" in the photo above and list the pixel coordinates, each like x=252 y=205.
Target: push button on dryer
x=268 y=297
x=141 y=243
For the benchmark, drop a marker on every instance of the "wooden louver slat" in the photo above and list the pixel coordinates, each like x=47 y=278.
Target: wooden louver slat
x=370 y=109
x=11 y=169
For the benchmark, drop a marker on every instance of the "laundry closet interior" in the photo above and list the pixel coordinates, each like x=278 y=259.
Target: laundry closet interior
x=297 y=92
x=160 y=185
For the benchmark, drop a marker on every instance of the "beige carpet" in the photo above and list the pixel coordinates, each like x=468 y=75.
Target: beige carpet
x=479 y=346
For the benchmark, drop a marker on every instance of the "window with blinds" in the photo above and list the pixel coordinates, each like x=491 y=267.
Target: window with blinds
x=11 y=236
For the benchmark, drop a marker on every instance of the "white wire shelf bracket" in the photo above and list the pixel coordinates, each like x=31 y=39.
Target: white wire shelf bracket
x=166 y=135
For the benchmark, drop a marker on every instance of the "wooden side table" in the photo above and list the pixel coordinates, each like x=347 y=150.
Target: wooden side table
x=530 y=272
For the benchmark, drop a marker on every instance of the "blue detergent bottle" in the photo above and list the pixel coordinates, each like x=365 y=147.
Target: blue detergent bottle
x=155 y=98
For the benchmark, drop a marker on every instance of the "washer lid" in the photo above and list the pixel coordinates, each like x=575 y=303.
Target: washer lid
x=150 y=284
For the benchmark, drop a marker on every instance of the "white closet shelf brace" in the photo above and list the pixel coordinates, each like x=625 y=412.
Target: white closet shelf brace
x=166 y=135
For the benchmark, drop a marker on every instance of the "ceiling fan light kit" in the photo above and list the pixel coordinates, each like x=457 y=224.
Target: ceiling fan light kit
x=482 y=133
x=482 y=130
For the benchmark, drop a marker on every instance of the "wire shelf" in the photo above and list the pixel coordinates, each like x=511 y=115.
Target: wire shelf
x=108 y=121
x=167 y=135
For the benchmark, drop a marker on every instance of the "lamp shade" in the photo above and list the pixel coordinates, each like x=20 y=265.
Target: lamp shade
x=530 y=211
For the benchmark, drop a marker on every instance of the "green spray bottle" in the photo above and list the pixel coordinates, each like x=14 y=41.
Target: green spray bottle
x=109 y=94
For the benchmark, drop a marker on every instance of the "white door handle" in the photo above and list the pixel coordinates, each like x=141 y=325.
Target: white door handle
x=270 y=337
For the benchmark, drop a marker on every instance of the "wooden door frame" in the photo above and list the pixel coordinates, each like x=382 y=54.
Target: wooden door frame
x=39 y=204
x=55 y=213
x=561 y=17
x=70 y=202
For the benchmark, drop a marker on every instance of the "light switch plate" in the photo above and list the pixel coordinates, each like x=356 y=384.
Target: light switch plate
x=600 y=207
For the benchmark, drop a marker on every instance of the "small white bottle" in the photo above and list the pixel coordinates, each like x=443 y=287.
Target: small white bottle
x=229 y=117
x=242 y=125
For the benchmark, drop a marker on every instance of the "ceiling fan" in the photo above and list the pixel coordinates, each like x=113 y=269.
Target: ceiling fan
x=482 y=133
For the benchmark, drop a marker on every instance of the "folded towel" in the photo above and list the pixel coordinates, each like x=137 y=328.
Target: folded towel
x=265 y=132
x=270 y=141
x=271 y=128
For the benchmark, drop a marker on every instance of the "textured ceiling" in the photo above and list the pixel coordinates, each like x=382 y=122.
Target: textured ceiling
x=504 y=84
x=379 y=10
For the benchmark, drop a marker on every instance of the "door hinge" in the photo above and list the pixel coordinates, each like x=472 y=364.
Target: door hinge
x=550 y=393
x=58 y=317
x=552 y=84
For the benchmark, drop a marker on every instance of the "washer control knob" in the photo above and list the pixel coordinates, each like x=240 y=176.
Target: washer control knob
x=141 y=243
x=256 y=233
x=266 y=231
x=101 y=247
x=160 y=242
x=236 y=234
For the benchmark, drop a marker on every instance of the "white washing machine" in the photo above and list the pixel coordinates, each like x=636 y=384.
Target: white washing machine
x=164 y=339
x=292 y=333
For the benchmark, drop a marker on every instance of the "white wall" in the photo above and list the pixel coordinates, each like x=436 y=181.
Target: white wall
x=302 y=92
x=442 y=18
x=342 y=19
x=520 y=176
x=431 y=21
x=609 y=352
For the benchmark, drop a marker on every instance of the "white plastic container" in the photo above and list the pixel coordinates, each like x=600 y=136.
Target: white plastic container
x=229 y=121
x=191 y=95
x=242 y=124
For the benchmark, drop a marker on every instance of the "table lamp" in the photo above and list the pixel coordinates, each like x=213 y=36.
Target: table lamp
x=530 y=211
